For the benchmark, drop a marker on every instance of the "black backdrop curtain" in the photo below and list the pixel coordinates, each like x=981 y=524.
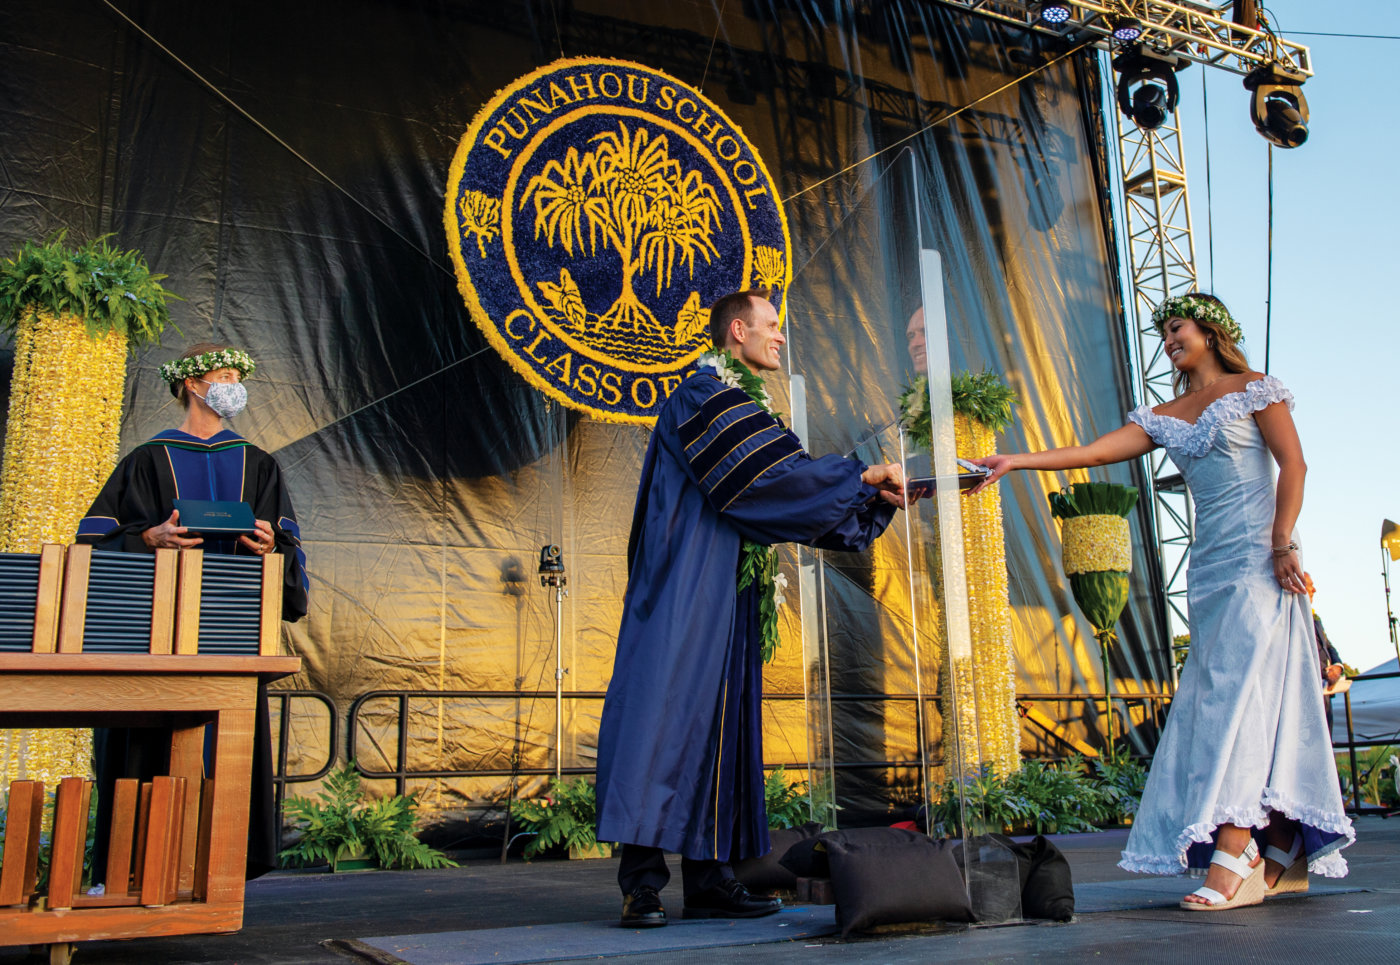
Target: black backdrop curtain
x=285 y=165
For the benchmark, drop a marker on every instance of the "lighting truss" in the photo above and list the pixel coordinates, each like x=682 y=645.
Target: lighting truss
x=1160 y=258
x=1193 y=31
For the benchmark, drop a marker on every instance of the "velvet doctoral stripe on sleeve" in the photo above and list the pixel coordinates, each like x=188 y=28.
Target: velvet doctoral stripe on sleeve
x=731 y=443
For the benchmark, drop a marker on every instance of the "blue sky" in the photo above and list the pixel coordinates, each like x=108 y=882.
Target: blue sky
x=1334 y=339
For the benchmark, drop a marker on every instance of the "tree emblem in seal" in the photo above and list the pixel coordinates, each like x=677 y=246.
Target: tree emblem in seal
x=595 y=208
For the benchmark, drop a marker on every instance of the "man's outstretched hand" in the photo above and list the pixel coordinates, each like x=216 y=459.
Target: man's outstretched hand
x=889 y=479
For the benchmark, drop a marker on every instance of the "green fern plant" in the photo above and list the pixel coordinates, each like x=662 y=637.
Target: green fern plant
x=341 y=825
x=108 y=287
x=1048 y=798
x=567 y=815
x=790 y=803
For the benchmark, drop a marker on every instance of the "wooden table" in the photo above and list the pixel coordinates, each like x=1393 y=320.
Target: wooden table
x=190 y=832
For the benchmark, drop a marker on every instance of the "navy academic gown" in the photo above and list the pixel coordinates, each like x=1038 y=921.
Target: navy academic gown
x=138 y=495
x=680 y=750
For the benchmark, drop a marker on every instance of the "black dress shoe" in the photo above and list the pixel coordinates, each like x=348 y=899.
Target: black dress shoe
x=643 y=909
x=729 y=899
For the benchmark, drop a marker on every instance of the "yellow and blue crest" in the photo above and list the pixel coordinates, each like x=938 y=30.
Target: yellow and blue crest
x=595 y=208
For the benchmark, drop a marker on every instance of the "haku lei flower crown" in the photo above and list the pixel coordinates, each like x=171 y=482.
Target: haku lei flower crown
x=756 y=561
x=1200 y=309
x=197 y=365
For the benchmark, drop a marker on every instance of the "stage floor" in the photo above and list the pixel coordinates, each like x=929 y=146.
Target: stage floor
x=563 y=910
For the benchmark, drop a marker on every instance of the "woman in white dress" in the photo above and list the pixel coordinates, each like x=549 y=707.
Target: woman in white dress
x=1246 y=745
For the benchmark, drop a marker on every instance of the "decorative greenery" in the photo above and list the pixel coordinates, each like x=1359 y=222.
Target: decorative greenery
x=1093 y=499
x=982 y=397
x=1093 y=514
x=111 y=289
x=1379 y=768
x=790 y=803
x=342 y=825
x=1181 y=649
x=567 y=815
x=1047 y=798
x=756 y=561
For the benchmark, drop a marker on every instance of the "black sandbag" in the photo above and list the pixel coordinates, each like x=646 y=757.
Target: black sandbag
x=767 y=873
x=807 y=859
x=1047 y=890
x=1047 y=887
x=884 y=876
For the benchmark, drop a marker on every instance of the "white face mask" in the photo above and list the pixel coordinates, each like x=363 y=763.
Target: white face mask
x=227 y=399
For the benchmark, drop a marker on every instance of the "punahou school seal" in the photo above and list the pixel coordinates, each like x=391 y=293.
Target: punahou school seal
x=595 y=208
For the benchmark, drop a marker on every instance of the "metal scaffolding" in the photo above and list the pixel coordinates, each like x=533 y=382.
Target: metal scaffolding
x=1159 y=248
x=1197 y=32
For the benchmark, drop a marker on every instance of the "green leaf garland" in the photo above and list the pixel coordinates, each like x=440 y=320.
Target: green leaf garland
x=756 y=561
x=109 y=288
x=982 y=397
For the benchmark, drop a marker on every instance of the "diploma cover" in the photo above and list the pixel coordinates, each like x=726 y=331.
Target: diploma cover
x=217 y=520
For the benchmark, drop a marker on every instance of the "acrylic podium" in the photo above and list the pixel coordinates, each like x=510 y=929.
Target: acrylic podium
x=174 y=640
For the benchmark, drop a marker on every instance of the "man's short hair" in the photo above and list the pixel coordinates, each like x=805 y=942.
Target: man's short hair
x=732 y=306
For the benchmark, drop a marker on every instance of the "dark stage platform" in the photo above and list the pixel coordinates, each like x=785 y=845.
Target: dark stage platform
x=562 y=911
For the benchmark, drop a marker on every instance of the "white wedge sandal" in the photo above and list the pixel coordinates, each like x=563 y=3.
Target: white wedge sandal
x=1250 y=891
x=1294 y=877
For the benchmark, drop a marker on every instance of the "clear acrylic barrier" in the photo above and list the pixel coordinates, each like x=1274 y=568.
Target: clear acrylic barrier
x=887 y=650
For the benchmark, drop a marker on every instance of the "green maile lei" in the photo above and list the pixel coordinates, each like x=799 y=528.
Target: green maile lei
x=756 y=561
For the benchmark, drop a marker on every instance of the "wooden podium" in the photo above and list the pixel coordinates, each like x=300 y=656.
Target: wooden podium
x=179 y=842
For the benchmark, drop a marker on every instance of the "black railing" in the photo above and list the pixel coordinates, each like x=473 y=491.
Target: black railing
x=401 y=773
x=1351 y=744
x=280 y=777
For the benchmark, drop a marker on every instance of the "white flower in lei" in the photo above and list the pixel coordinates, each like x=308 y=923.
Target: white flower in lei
x=1200 y=309
x=197 y=365
x=756 y=561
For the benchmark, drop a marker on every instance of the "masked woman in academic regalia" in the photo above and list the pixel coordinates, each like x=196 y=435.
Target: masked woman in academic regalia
x=135 y=513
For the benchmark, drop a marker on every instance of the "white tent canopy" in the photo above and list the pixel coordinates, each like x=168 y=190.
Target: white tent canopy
x=1375 y=708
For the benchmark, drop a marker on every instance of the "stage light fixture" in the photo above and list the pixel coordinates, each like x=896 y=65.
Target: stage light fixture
x=1126 y=30
x=1278 y=108
x=1147 y=89
x=1053 y=12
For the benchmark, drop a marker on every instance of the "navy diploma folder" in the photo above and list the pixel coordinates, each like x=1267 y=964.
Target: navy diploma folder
x=215 y=520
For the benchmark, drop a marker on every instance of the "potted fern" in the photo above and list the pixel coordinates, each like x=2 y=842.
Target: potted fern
x=347 y=832
x=567 y=815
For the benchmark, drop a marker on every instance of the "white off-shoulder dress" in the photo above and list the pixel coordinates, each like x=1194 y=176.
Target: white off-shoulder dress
x=1246 y=733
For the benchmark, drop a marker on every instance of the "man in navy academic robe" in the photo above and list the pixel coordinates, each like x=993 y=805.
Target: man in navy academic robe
x=680 y=757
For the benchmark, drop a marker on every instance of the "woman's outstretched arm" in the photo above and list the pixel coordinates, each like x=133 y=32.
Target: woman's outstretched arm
x=1120 y=445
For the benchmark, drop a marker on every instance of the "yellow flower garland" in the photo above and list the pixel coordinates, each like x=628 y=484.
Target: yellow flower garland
x=1093 y=544
x=60 y=447
x=988 y=726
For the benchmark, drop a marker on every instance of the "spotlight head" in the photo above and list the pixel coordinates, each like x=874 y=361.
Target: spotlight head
x=1126 y=30
x=551 y=558
x=1150 y=109
x=1053 y=12
x=1278 y=108
x=1147 y=89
